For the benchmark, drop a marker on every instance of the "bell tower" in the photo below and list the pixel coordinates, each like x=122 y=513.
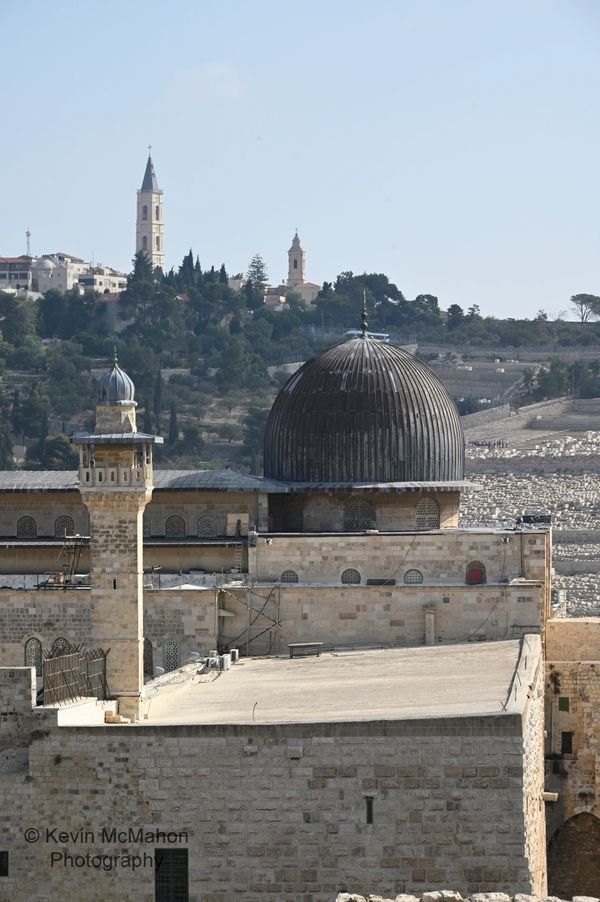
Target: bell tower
x=149 y=231
x=296 y=257
x=115 y=481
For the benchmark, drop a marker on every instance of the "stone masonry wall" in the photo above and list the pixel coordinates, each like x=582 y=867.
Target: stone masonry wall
x=533 y=749
x=186 y=616
x=442 y=556
x=573 y=825
x=275 y=812
x=573 y=640
x=572 y=705
x=325 y=512
x=374 y=615
x=17 y=697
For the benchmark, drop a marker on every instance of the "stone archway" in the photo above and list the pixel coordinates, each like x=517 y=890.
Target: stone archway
x=573 y=858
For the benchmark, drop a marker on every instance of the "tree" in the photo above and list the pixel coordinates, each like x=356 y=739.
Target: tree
x=157 y=397
x=257 y=273
x=51 y=453
x=456 y=317
x=142 y=270
x=586 y=306
x=173 y=427
x=254 y=433
x=7 y=461
x=192 y=441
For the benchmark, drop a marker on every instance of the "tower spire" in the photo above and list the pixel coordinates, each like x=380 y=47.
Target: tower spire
x=149 y=230
x=363 y=317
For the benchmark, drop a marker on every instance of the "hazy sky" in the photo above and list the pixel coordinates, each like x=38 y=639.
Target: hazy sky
x=451 y=144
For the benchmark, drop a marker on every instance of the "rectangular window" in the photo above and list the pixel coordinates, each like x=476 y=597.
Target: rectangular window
x=3 y=864
x=171 y=875
x=369 y=809
x=563 y=703
x=566 y=743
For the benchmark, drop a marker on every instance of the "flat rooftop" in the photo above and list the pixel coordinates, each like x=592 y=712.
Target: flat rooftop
x=382 y=684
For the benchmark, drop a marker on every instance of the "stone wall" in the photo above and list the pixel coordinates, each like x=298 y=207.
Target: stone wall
x=442 y=556
x=573 y=640
x=572 y=754
x=481 y=417
x=17 y=698
x=277 y=812
x=186 y=616
x=377 y=615
x=393 y=511
x=44 y=507
x=573 y=702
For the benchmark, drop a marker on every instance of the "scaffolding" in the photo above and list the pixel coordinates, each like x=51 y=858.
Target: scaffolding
x=262 y=618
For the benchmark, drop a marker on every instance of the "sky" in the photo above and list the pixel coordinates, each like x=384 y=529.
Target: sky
x=451 y=144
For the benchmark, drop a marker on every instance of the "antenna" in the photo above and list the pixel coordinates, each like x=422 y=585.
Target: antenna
x=28 y=236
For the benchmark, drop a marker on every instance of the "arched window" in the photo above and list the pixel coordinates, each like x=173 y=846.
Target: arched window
x=64 y=526
x=175 y=527
x=294 y=516
x=206 y=526
x=428 y=514
x=157 y=217
x=157 y=242
x=413 y=577
x=33 y=655
x=475 y=574
x=359 y=514
x=144 y=242
x=288 y=576
x=148 y=657
x=171 y=654
x=144 y=212
x=26 y=528
x=60 y=646
x=147 y=528
x=295 y=263
x=351 y=577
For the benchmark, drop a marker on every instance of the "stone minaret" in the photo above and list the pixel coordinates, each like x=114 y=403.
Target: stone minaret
x=115 y=481
x=296 y=263
x=149 y=230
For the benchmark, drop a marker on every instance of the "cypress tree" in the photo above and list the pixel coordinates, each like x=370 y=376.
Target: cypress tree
x=173 y=427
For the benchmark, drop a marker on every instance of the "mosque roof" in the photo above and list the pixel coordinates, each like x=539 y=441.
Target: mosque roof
x=419 y=687
x=149 y=183
x=364 y=411
x=164 y=480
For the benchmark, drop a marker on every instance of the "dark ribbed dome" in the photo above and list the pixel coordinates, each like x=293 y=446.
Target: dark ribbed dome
x=364 y=411
x=115 y=387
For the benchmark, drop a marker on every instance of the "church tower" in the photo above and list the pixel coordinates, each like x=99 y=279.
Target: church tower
x=115 y=481
x=296 y=263
x=149 y=231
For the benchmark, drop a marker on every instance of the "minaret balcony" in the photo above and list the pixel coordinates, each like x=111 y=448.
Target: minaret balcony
x=107 y=477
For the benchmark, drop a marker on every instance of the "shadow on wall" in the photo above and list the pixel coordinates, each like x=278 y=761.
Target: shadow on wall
x=574 y=858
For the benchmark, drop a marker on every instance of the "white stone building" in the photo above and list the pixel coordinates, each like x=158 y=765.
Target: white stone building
x=58 y=272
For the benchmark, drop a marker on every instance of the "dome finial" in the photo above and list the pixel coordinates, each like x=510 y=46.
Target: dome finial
x=364 y=319
x=115 y=358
